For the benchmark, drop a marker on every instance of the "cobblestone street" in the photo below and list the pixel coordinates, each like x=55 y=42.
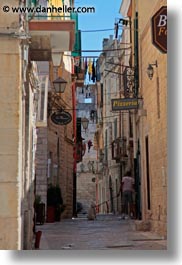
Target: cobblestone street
x=106 y=232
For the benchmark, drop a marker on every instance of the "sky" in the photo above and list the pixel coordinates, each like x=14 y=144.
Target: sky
x=103 y=18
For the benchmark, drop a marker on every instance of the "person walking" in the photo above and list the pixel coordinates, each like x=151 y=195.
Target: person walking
x=126 y=190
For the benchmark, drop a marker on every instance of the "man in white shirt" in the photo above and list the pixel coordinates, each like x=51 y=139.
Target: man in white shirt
x=127 y=189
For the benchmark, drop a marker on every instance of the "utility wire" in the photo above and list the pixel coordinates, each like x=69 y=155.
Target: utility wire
x=95 y=30
x=106 y=50
x=120 y=26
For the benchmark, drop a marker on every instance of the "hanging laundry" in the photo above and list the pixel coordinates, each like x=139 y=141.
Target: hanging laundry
x=90 y=69
x=86 y=67
x=93 y=72
x=82 y=64
x=97 y=71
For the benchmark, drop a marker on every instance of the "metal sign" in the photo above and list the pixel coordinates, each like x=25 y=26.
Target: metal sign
x=61 y=117
x=124 y=104
x=159 y=29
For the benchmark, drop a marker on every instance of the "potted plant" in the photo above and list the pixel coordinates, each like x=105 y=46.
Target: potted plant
x=39 y=207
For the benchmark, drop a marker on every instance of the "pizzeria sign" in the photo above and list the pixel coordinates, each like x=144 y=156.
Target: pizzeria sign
x=124 y=104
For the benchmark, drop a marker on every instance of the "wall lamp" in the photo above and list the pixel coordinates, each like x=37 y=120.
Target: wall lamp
x=150 y=69
x=85 y=123
x=57 y=58
x=59 y=85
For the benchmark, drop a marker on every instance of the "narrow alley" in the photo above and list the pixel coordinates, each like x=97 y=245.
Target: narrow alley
x=106 y=232
x=83 y=125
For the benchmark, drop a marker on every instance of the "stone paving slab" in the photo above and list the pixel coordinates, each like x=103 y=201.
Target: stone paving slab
x=109 y=232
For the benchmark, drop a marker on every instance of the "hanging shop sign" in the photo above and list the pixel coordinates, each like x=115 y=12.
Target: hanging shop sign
x=124 y=104
x=159 y=29
x=61 y=118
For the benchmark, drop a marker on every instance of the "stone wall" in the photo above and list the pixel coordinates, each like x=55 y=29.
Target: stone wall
x=10 y=143
x=60 y=146
x=154 y=125
x=86 y=190
x=41 y=164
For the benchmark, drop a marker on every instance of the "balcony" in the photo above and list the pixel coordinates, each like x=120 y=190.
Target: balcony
x=50 y=35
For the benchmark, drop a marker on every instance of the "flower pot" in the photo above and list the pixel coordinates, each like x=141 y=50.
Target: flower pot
x=37 y=239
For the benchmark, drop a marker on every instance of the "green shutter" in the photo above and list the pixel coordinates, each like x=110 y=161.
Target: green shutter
x=77 y=47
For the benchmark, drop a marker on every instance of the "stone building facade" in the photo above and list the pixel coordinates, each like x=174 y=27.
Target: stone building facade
x=19 y=79
x=153 y=134
x=60 y=143
x=23 y=131
x=113 y=126
x=55 y=157
x=150 y=121
x=41 y=164
x=41 y=159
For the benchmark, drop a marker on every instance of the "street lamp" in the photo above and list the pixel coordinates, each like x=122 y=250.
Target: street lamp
x=150 y=70
x=59 y=85
x=85 y=123
x=56 y=58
